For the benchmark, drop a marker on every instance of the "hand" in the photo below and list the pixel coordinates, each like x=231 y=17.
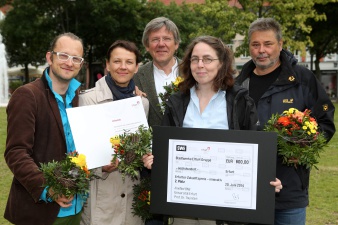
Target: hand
x=138 y=92
x=62 y=200
x=277 y=184
x=110 y=168
x=148 y=160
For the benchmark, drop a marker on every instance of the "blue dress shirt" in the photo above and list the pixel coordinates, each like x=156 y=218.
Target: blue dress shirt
x=78 y=200
x=214 y=115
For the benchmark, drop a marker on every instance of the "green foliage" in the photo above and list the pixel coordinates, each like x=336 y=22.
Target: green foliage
x=221 y=20
x=129 y=149
x=101 y=22
x=169 y=90
x=66 y=177
x=114 y=20
x=4 y=2
x=320 y=210
x=141 y=199
x=5 y=174
x=13 y=85
x=292 y=15
x=298 y=141
x=324 y=33
x=26 y=41
x=184 y=16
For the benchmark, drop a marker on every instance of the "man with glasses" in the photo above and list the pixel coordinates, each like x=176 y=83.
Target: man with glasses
x=161 y=39
x=39 y=132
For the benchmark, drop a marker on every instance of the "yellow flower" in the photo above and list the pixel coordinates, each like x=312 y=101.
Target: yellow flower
x=178 y=81
x=79 y=160
x=148 y=198
x=304 y=127
x=310 y=126
x=115 y=140
x=314 y=125
x=291 y=111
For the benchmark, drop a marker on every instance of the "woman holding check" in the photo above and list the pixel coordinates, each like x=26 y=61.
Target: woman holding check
x=208 y=98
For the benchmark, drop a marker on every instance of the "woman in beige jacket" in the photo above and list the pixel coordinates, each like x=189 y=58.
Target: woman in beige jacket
x=110 y=198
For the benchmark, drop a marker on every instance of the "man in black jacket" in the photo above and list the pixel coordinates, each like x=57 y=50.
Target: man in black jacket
x=277 y=83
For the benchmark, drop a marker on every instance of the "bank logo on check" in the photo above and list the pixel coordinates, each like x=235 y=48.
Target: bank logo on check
x=181 y=148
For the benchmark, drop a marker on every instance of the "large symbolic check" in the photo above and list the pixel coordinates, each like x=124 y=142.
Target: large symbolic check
x=222 y=174
x=214 y=174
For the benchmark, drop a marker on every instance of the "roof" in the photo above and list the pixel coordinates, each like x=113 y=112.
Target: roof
x=4 y=9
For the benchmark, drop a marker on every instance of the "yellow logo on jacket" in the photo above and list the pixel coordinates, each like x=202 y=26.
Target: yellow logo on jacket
x=325 y=107
x=288 y=101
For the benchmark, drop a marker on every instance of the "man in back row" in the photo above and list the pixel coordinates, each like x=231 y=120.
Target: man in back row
x=276 y=83
x=161 y=39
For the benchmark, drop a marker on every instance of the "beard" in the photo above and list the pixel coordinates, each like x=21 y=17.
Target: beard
x=60 y=77
x=264 y=66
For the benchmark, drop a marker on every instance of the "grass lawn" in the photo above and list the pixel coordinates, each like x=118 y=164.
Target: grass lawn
x=323 y=209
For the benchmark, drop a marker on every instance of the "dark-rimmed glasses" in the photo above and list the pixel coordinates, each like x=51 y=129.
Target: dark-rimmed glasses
x=64 y=57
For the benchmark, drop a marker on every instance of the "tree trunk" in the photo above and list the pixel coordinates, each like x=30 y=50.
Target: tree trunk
x=317 y=67
x=26 y=74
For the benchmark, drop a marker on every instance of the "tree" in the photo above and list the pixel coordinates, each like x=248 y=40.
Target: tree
x=226 y=21
x=98 y=22
x=324 y=34
x=222 y=20
x=292 y=15
x=26 y=40
x=185 y=18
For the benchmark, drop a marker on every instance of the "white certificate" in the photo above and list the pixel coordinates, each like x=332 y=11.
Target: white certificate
x=93 y=126
x=222 y=174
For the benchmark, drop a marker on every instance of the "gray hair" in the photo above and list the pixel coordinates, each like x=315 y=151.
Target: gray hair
x=68 y=34
x=158 y=23
x=265 y=24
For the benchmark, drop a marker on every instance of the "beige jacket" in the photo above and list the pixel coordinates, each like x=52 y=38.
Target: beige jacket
x=110 y=199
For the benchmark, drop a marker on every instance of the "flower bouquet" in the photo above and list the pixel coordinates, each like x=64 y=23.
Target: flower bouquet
x=129 y=149
x=67 y=177
x=169 y=90
x=299 y=142
x=141 y=199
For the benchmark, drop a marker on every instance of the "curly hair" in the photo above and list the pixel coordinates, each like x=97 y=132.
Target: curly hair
x=225 y=75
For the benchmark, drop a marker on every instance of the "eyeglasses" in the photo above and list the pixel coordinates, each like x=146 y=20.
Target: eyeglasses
x=64 y=57
x=164 y=39
x=195 y=60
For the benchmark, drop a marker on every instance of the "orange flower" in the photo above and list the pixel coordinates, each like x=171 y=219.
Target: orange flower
x=86 y=171
x=283 y=120
x=143 y=196
x=298 y=137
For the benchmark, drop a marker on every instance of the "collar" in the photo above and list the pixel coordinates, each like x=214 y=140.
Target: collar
x=219 y=92
x=286 y=76
x=174 y=68
x=73 y=86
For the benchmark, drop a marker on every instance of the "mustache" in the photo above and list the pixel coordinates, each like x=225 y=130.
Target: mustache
x=262 y=56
